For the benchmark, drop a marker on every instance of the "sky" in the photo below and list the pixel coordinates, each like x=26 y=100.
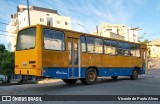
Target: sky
x=91 y=13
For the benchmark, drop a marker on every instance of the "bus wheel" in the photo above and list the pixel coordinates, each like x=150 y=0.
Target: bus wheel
x=70 y=81
x=134 y=76
x=114 y=77
x=91 y=77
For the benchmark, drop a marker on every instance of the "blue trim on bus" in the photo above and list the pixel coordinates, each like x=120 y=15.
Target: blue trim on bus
x=67 y=73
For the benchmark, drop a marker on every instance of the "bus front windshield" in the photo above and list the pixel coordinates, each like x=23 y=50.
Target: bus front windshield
x=26 y=39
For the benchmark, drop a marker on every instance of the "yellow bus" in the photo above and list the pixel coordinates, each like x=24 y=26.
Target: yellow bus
x=45 y=51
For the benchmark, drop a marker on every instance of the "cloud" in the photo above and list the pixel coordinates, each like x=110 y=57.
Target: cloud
x=90 y=13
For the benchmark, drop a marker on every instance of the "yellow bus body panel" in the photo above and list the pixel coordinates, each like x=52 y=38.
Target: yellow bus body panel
x=24 y=57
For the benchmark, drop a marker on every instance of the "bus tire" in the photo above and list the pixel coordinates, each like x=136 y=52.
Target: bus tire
x=114 y=77
x=70 y=81
x=90 y=78
x=134 y=75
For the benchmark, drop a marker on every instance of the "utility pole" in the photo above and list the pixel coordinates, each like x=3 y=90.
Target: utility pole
x=28 y=12
x=97 y=30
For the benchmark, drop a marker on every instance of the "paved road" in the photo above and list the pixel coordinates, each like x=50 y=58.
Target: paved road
x=145 y=85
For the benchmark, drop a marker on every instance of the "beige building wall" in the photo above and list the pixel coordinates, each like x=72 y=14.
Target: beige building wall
x=117 y=31
x=38 y=15
x=154 y=49
x=112 y=35
x=115 y=28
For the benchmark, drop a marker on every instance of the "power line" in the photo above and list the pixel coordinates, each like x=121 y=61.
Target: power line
x=7 y=35
x=6 y=31
x=155 y=33
x=6 y=24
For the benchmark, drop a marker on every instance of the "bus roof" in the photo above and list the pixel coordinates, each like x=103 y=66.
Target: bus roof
x=86 y=34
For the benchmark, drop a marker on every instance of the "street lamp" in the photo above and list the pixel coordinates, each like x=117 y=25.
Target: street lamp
x=28 y=12
x=83 y=27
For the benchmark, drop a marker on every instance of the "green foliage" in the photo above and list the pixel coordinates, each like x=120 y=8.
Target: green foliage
x=6 y=61
x=2 y=48
x=145 y=41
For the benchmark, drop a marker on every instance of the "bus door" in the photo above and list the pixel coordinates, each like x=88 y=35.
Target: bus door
x=73 y=55
x=144 y=60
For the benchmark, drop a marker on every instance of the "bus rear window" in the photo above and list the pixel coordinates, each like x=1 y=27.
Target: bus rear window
x=26 y=39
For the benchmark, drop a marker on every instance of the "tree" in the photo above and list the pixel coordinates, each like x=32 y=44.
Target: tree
x=2 y=48
x=145 y=41
x=6 y=62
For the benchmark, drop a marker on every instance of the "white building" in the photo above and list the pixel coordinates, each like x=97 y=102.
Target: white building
x=38 y=15
x=120 y=31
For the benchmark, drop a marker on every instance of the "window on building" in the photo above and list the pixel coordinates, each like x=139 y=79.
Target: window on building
x=54 y=40
x=58 y=22
x=48 y=23
x=126 y=49
x=120 y=48
x=83 y=43
x=47 y=14
x=66 y=23
x=41 y=20
x=94 y=45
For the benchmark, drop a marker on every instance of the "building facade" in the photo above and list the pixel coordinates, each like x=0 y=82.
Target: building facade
x=118 y=31
x=154 y=49
x=38 y=15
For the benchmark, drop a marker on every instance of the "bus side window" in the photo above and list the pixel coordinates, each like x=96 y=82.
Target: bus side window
x=133 y=52
x=137 y=50
x=120 y=48
x=83 y=44
x=54 y=40
x=94 y=45
x=107 y=47
x=98 y=45
x=126 y=49
x=113 y=47
x=110 y=47
x=91 y=44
